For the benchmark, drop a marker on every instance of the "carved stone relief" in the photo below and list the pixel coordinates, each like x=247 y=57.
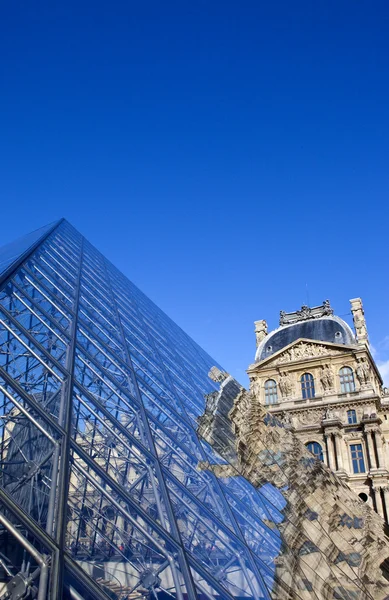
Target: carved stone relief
x=327 y=379
x=330 y=414
x=353 y=435
x=255 y=387
x=359 y=320
x=363 y=372
x=309 y=417
x=286 y=385
x=304 y=350
x=260 y=331
x=306 y=312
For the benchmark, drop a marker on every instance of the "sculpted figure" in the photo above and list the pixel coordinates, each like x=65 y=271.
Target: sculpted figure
x=285 y=418
x=329 y=414
x=363 y=372
x=327 y=378
x=255 y=387
x=360 y=324
x=327 y=310
x=305 y=312
x=297 y=352
x=260 y=331
x=286 y=385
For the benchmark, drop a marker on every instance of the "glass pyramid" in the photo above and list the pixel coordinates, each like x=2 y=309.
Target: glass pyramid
x=101 y=494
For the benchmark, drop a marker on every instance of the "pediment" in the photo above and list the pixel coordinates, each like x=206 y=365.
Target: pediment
x=304 y=349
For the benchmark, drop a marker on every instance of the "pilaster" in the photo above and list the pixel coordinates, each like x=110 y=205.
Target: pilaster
x=330 y=450
x=339 y=454
x=370 y=450
x=380 y=450
x=378 y=500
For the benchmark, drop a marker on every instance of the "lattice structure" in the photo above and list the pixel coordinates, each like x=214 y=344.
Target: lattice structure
x=101 y=494
x=106 y=491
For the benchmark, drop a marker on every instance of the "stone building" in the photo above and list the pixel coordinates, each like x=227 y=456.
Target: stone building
x=332 y=544
x=316 y=374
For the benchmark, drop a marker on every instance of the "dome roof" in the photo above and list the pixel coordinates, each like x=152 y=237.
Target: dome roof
x=325 y=329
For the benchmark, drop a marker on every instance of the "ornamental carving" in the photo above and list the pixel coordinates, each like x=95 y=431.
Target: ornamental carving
x=327 y=378
x=306 y=312
x=363 y=372
x=353 y=435
x=330 y=414
x=304 y=350
x=286 y=385
x=359 y=319
x=310 y=417
x=255 y=387
x=260 y=331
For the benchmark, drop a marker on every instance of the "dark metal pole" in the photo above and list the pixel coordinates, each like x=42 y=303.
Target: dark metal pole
x=65 y=418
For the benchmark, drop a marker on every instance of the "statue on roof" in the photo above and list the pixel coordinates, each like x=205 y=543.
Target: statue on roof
x=305 y=313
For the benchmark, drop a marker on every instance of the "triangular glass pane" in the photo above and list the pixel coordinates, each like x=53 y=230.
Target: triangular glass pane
x=10 y=252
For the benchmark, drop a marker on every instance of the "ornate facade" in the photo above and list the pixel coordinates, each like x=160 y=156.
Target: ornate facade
x=319 y=376
x=332 y=544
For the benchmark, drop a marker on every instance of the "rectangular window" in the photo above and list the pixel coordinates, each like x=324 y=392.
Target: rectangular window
x=357 y=458
x=351 y=417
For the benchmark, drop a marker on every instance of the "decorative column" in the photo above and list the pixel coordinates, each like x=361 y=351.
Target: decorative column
x=346 y=456
x=370 y=450
x=380 y=450
x=330 y=451
x=338 y=448
x=378 y=501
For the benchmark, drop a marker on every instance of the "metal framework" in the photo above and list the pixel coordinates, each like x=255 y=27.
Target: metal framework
x=100 y=491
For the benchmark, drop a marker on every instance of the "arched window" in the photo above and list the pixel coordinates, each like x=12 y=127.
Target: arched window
x=346 y=377
x=271 y=396
x=307 y=386
x=351 y=417
x=316 y=449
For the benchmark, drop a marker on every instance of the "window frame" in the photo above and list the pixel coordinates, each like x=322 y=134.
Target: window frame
x=353 y=414
x=346 y=380
x=357 y=459
x=307 y=383
x=271 y=392
x=319 y=455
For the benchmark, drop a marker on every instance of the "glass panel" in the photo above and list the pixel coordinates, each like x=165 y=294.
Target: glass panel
x=101 y=390
x=357 y=458
x=307 y=386
x=347 y=384
x=9 y=253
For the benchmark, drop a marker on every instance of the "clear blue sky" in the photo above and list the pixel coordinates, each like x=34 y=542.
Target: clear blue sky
x=224 y=155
